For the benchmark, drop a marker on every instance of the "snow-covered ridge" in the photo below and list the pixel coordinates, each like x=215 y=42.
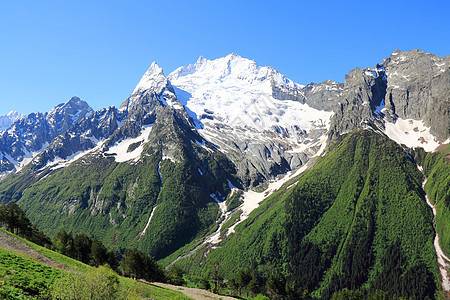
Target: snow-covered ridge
x=232 y=68
x=236 y=91
x=9 y=119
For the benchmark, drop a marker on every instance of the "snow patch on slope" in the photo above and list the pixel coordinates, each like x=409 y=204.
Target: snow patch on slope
x=252 y=199
x=443 y=260
x=121 y=150
x=29 y=156
x=412 y=133
x=148 y=222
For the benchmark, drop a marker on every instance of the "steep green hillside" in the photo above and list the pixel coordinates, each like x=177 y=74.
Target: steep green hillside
x=23 y=278
x=113 y=201
x=437 y=169
x=357 y=219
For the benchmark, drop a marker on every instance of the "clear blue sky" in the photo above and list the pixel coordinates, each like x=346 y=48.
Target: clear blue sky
x=98 y=50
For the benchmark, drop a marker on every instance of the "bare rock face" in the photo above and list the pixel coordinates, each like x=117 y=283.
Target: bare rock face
x=324 y=95
x=364 y=90
x=418 y=87
x=408 y=85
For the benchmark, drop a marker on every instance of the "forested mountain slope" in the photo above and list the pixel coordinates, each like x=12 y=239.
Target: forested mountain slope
x=357 y=219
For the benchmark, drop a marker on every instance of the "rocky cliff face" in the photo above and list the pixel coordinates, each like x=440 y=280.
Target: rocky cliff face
x=418 y=87
x=411 y=87
x=364 y=91
x=324 y=95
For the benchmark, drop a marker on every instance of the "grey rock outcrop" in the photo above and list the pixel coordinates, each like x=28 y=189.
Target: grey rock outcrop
x=324 y=95
x=363 y=91
x=410 y=85
x=418 y=87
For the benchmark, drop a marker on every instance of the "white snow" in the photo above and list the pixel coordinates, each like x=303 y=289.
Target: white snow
x=120 y=150
x=237 y=92
x=159 y=171
x=59 y=162
x=216 y=198
x=164 y=157
x=9 y=119
x=153 y=80
x=231 y=186
x=323 y=145
x=30 y=155
x=148 y=222
x=252 y=199
x=412 y=133
x=203 y=145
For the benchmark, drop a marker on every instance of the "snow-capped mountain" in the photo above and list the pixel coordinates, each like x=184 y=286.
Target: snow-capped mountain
x=113 y=132
x=251 y=114
x=30 y=135
x=9 y=119
x=126 y=167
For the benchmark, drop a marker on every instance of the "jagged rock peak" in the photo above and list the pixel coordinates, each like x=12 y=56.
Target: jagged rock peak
x=153 y=80
x=75 y=108
x=9 y=119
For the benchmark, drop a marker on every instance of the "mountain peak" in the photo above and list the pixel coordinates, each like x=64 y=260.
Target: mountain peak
x=9 y=119
x=154 y=68
x=153 y=80
x=232 y=56
x=233 y=69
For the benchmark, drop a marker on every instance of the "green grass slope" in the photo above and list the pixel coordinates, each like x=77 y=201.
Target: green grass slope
x=24 y=278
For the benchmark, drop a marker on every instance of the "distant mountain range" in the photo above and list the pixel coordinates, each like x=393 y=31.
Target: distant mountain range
x=188 y=170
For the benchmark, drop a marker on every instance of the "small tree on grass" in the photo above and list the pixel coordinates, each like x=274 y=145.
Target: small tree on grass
x=99 y=253
x=205 y=284
x=82 y=248
x=243 y=278
x=275 y=286
x=139 y=265
x=175 y=275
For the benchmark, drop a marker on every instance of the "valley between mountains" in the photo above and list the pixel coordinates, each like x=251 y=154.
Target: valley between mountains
x=238 y=176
